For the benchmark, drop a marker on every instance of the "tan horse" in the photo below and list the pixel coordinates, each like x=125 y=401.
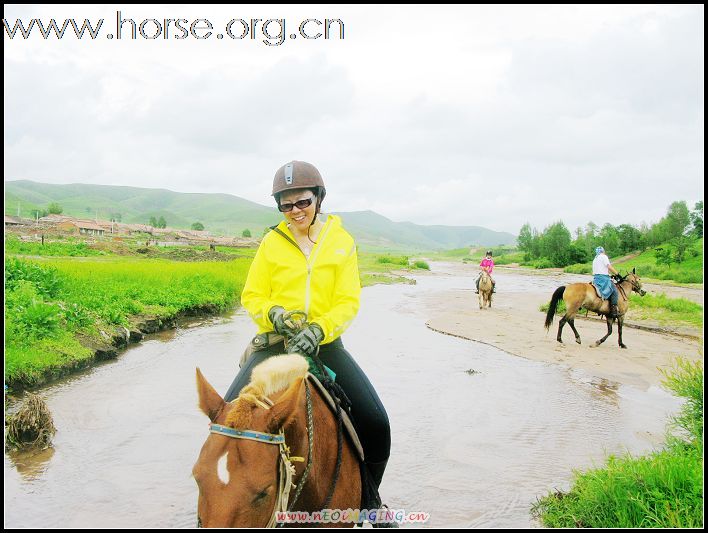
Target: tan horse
x=577 y=295
x=243 y=471
x=485 y=290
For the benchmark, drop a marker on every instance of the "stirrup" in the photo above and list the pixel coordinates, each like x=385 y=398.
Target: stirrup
x=393 y=523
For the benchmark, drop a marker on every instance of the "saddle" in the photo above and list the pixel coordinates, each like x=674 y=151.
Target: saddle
x=618 y=287
x=264 y=340
x=346 y=421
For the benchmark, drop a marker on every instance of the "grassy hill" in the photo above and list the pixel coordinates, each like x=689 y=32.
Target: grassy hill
x=230 y=215
x=690 y=270
x=220 y=213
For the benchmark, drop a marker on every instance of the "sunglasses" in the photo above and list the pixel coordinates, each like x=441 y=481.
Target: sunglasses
x=300 y=204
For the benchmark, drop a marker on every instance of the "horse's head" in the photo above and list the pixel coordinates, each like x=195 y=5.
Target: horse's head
x=635 y=281
x=238 y=477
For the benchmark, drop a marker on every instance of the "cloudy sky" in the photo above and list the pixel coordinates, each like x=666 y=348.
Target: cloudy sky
x=481 y=115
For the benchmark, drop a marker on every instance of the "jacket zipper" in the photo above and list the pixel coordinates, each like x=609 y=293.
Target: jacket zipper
x=307 y=261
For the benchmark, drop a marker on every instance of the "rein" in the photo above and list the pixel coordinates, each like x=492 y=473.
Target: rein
x=622 y=291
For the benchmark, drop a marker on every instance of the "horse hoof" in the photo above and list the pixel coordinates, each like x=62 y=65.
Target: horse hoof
x=623 y=346
x=578 y=341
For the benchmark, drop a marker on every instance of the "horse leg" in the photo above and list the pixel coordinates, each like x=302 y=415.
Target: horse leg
x=620 y=322
x=561 y=323
x=609 y=332
x=572 y=325
x=481 y=299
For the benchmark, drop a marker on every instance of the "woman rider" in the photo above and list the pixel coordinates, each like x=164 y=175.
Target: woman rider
x=310 y=264
x=487 y=266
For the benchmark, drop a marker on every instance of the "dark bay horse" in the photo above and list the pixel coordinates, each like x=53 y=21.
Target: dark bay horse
x=577 y=295
x=258 y=449
x=485 y=290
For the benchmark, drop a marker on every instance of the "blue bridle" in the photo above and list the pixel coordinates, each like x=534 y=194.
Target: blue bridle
x=267 y=438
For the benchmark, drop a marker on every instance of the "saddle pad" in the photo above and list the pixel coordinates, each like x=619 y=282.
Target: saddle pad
x=597 y=291
x=346 y=421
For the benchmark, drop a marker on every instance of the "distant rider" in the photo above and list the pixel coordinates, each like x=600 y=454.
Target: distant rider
x=487 y=265
x=601 y=269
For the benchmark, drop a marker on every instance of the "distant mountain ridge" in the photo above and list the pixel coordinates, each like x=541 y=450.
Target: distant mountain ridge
x=230 y=215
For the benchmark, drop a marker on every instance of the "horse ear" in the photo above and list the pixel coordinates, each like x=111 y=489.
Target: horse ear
x=209 y=400
x=634 y=270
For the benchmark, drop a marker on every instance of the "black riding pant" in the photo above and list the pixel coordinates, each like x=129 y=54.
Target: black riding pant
x=369 y=414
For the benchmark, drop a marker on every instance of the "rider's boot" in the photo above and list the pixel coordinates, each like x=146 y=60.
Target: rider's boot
x=614 y=311
x=370 y=495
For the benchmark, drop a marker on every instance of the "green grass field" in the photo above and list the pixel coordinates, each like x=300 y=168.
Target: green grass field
x=52 y=303
x=377 y=268
x=665 y=310
x=65 y=248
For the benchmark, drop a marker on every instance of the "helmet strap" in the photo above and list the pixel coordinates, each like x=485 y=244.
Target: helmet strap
x=317 y=212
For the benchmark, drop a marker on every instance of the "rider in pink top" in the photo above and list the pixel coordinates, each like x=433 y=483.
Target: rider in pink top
x=487 y=265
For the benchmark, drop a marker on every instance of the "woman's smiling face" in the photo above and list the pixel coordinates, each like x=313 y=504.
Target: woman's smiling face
x=299 y=218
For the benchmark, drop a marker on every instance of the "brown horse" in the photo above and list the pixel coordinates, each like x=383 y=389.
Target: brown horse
x=577 y=295
x=245 y=469
x=485 y=290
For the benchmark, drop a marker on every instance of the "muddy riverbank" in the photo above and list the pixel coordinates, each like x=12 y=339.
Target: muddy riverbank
x=515 y=324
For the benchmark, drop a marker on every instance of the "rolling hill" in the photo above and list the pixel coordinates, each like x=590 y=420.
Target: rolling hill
x=226 y=214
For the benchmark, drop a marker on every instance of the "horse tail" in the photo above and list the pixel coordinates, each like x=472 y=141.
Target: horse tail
x=554 y=305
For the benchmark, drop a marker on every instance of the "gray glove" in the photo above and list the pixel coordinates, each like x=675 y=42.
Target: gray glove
x=276 y=317
x=306 y=341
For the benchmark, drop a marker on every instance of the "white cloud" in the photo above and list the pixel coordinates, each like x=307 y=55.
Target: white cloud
x=555 y=113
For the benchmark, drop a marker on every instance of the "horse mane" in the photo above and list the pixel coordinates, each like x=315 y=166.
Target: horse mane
x=273 y=375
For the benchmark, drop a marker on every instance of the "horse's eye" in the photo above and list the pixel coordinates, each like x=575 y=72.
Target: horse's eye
x=260 y=496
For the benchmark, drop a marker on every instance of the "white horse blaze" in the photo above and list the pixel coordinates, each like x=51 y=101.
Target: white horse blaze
x=222 y=470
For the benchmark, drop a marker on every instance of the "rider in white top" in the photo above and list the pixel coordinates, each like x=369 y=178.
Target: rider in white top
x=601 y=269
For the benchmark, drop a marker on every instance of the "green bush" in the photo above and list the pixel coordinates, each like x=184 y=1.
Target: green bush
x=422 y=265
x=579 y=268
x=44 y=278
x=393 y=259
x=685 y=380
x=543 y=263
x=14 y=245
x=27 y=316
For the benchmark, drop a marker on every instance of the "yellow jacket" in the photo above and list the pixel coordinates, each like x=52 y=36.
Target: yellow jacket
x=326 y=286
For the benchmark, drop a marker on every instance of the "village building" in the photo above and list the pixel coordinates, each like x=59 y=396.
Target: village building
x=17 y=221
x=82 y=227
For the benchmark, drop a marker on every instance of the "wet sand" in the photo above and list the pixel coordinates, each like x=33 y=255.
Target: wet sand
x=515 y=324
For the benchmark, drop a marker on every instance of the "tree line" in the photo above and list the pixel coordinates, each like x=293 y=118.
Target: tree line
x=556 y=247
